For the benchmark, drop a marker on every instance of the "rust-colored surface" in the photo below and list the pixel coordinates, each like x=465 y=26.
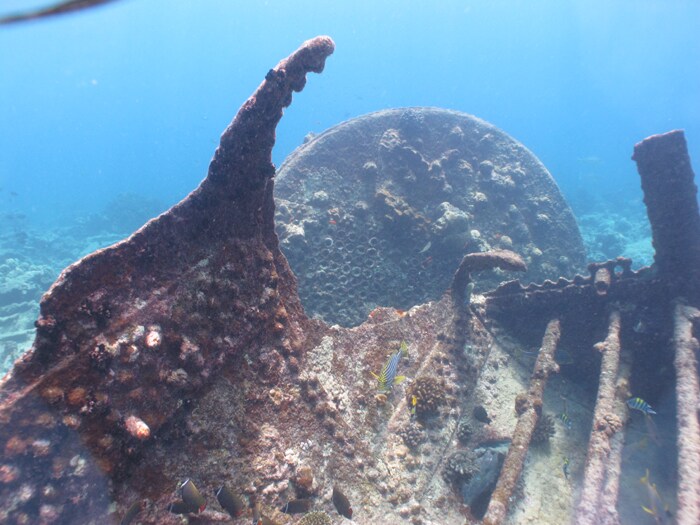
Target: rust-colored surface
x=139 y=329
x=606 y=424
x=686 y=319
x=529 y=409
x=184 y=352
x=670 y=195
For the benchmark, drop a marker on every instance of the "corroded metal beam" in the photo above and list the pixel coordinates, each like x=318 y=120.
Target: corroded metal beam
x=529 y=409
x=608 y=499
x=606 y=423
x=130 y=331
x=670 y=195
x=688 y=409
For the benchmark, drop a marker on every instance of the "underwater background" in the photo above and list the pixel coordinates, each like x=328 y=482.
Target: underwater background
x=110 y=115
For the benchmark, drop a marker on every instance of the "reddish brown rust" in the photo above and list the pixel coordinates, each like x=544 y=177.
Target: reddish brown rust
x=522 y=435
x=670 y=197
x=138 y=327
x=477 y=262
x=688 y=404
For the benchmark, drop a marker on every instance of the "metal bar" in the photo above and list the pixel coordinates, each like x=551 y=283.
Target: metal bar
x=606 y=423
x=529 y=408
x=688 y=405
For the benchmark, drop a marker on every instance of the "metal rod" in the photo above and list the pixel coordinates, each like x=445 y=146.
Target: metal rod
x=606 y=423
x=529 y=408
x=611 y=489
x=688 y=405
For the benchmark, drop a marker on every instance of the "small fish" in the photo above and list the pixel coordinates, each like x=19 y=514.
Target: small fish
x=232 y=503
x=426 y=247
x=333 y=222
x=342 y=503
x=564 y=418
x=388 y=378
x=640 y=327
x=180 y=507
x=401 y=313
x=296 y=506
x=427 y=261
x=637 y=403
x=192 y=497
x=131 y=513
x=480 y=414
x=656 y=508
x=565 y=467
x=414 y=404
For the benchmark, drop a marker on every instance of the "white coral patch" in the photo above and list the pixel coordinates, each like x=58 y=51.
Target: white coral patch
x=153 y=339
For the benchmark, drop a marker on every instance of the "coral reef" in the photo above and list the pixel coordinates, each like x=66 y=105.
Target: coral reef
x=465 y=430
x=412 y=434
x=459 y=467
x=426 y=394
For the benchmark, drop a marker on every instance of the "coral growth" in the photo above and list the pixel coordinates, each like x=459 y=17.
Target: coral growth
x=388 y=220
x=465 y=429
x=544 y=430
x=460 y=467
x=429 y=393
x=412 y=434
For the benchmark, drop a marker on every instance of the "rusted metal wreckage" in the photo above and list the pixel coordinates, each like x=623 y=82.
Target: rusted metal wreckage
x=184 y=351
x=671 y=285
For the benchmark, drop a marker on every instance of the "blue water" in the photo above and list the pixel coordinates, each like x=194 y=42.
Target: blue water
x=132 y=96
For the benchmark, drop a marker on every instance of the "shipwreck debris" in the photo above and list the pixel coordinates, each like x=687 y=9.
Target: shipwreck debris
x=670 y=195
x=207 y=275
x=477 y=262
x=380 y=210
x=529 y=409
x=185 y=351
x=686 y=319
x=606 y=424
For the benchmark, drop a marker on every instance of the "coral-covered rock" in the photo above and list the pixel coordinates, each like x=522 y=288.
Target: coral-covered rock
x=459 y=467
x=427 y=395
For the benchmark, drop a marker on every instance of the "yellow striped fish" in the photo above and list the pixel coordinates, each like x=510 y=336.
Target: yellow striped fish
x=637 y=403
x=387 y=378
